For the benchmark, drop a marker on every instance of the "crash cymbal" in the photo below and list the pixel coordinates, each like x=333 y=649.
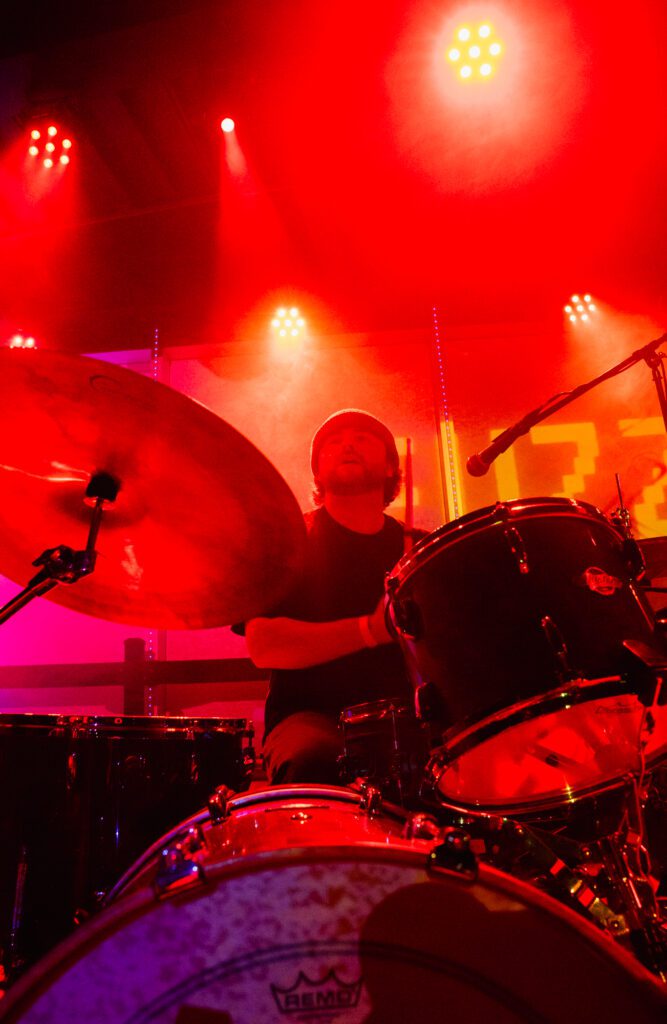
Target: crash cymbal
x=204 y=531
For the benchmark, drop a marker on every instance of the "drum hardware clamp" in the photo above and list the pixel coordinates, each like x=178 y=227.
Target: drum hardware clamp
x=453 y=854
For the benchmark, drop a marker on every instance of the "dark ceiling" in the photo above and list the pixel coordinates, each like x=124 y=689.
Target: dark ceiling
x=369 y=191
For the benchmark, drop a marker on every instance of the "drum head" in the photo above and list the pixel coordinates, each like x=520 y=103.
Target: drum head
x=538 y=762
x=336 y=933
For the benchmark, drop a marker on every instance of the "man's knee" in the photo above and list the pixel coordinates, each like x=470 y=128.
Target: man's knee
x=305 y=749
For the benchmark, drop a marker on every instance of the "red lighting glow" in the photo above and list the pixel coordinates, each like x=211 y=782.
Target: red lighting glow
x=481 y=56
x=227 y=124
x=52 y=130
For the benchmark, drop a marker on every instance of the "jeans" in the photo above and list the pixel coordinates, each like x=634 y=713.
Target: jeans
x=304 y=747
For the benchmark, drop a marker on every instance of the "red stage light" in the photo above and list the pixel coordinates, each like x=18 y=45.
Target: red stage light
x=18 y=340
x=64 y=159
x=227 y=124
x=48 y=144
x=480 y=54
x=288 y=323
x=580 y=308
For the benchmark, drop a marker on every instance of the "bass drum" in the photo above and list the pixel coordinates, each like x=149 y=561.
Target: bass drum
x=514 y=619
x=299 y=905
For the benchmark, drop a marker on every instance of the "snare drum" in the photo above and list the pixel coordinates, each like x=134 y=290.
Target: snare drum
x=83 y=797
x=384 y=743
x=298 y=905
x=516 y=615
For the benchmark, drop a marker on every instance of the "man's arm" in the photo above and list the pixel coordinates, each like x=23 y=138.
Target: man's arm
x=292 y=643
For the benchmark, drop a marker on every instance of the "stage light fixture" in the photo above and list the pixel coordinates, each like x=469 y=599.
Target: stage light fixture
x=580 y=308
x=288 y=323
x=481 y=54
x=20 y=340
x=47 y=143
x=227 y=124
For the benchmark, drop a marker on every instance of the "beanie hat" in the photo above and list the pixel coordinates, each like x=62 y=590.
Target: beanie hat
x=359 y=420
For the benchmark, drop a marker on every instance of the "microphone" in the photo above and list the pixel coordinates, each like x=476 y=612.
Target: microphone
x=478 y=464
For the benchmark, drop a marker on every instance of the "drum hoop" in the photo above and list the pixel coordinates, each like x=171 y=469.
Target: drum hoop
x=286 y=795
x=508 y=809
x=486 y=518
x=384 y=708
x=469 y=734
x=150 y=726
x=30 y=720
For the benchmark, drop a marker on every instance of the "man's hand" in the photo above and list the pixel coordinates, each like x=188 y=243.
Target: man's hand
x=291 y=643
x=377 y=623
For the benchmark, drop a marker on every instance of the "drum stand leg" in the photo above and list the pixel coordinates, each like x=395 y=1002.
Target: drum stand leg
x=627 y=867
x=13 y=960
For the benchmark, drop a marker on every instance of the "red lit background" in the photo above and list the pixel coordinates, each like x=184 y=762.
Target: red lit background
x=367 y=185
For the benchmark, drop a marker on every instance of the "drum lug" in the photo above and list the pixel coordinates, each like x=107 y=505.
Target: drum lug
x=453 y=854
x=421 y=826
x=556 y=642
x=218 y=804
x=371 y=798
x=517 y=547
x=178 y=868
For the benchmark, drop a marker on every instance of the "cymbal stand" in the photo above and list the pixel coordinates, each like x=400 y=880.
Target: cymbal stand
x=62 y=564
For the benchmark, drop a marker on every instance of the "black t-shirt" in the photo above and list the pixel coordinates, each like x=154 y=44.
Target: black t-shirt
x=343 y=576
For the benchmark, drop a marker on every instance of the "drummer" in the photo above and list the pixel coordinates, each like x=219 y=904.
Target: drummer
x=327 y=646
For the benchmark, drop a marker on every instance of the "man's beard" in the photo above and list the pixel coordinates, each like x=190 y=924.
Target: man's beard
x=363 y=482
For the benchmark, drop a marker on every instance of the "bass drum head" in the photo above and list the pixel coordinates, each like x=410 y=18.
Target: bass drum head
x=339 y=932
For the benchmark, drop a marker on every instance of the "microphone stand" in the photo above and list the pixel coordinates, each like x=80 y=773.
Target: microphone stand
x=478 y=464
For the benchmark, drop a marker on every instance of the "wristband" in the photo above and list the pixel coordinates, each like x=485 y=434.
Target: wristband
x=365 y=630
